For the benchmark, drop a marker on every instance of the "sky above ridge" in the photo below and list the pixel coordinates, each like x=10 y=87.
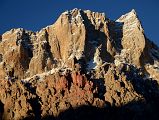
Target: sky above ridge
x=36 y=14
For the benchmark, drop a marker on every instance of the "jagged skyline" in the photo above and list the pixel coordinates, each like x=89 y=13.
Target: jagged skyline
x=32 y=16
x=108 y=69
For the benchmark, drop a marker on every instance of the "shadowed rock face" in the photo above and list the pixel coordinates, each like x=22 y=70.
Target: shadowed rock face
x=83 y=62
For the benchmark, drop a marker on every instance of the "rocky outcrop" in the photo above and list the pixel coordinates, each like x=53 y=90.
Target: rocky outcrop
x=119 y=87
x=84 y=58
x=23 y=99
x=133 y=39
x=58 y=93
x=81 y=33
x=15 y=99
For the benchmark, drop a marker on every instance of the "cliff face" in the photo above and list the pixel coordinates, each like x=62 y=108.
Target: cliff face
x=84 y=58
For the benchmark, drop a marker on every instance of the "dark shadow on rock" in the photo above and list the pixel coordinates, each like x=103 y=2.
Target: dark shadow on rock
x=146 y=109
x=1 y=110
x=95 y=38
x=116 y=33
x=69 y=79
x=147 y=87
x=99 y=84
x=132 y=111
x=34 y=102
x=48 y=117
x=30 y=117
x=83 y=113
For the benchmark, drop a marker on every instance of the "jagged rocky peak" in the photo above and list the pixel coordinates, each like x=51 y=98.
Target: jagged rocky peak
x=127 y=16
x=78 y=15
x=84 y=58
x=80 y=33
x=130 y=21
x=131 y=37
x=80 y=38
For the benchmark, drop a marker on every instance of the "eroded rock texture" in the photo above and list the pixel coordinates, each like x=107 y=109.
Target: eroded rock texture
x=84 y=66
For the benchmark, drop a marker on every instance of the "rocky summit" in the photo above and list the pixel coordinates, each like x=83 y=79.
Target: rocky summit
x=83 y=67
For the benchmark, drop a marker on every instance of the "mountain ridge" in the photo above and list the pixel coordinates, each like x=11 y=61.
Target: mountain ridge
x=84 y=58
x=120 y=38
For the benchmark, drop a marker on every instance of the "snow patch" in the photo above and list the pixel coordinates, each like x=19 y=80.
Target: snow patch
x=43 y=75
x=66 y=12
x=127 y=16
x=122 y=57
x=130 y=22
x=91 y=65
